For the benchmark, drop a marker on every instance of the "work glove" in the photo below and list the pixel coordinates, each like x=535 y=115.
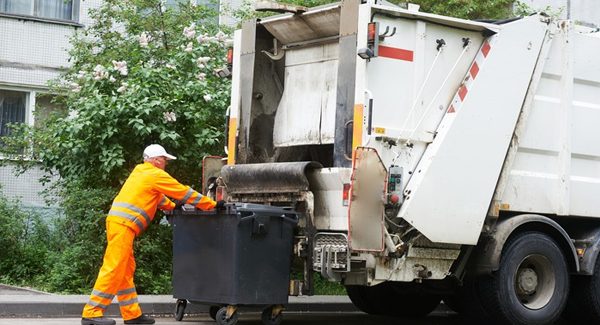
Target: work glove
x=220 y=205
x=178 y=205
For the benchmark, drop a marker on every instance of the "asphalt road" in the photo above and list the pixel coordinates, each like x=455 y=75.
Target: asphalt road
x=352 y=318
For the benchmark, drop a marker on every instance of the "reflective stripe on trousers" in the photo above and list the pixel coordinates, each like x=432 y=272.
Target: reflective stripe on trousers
x=115 y=276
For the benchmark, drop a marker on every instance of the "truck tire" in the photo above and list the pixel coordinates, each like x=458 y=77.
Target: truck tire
x=531 y=285
x=393 y=299
x=408 y=300
x=361 y=297
x=467 y=302
x=584 y=302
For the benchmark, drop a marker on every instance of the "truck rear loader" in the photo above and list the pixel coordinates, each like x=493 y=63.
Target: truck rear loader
x=431 y=157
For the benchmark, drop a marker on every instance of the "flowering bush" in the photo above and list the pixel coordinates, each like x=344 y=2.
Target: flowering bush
x=140 y=74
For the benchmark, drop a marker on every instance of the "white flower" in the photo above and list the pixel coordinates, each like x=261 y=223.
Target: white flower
x=98 y=68
x=220 y=36
x=112 y=79
x=170 y=66
x=189 y=48
x=190 y=31
x=207 y=98
x=200 y=39
x=144 y=39
x=202 y=60
x=201 y=66
x=228 y=42
x=123 y=87
x=81 y=74
x=73 y=114
x=169 y=116
x=75 y=87
x=100 y=72
x=201 y=76
x=120 y=66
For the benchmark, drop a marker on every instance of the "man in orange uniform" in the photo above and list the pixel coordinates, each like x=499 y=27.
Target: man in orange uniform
x=132 y=211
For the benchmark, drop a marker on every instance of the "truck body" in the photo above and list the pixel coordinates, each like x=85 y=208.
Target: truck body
x=431 y=157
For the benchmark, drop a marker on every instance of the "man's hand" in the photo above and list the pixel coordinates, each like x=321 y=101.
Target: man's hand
x=220 y=205
x=178 y=205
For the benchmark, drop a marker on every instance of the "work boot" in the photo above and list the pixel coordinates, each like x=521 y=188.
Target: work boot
x=143 y=319
x=97 y=321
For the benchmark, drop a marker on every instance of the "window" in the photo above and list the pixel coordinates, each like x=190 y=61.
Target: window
x=12 y=109
x=51 y=9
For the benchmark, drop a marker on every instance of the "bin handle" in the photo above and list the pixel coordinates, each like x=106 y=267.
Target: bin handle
x=248 y=217
x=286 y=218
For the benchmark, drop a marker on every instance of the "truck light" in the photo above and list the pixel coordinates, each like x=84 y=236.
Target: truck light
x=372 y=49
x=372 y=32
x=230 y=56
x=346 y=195
x=220 y=193
x=225 y=72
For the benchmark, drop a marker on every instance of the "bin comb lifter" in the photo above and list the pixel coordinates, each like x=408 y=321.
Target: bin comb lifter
x=451 y=157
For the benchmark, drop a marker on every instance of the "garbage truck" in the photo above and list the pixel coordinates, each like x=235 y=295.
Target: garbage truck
x=431 y=158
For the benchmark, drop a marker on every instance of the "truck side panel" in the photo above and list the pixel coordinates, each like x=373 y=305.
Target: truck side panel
x=449 y=195
x=557 y=166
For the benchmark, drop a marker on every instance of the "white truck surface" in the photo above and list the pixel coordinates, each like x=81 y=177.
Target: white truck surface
x=432 y=157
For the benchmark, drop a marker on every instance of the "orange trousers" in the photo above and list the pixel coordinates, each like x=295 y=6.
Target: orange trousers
x=115 y=276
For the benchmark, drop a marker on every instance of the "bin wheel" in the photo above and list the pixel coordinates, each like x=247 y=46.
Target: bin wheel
x=180 y=309
x=268 y=319
x=212 y=311
x=221 y=317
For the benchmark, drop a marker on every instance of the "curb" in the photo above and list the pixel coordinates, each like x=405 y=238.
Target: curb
x=42 y=306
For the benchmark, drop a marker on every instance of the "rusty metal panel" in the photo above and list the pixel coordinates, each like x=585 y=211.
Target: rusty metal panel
x=313 y=24
x=310 y=74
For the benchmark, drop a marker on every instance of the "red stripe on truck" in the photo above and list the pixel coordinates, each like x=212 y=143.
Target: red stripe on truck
x=462 y=92
x=485 y=49
x=396 y=53
x=474 y=70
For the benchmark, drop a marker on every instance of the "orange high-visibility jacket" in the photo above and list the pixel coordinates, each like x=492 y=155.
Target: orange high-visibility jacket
x=144 y=191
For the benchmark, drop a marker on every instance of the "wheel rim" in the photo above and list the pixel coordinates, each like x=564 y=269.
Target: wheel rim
x=535 y=281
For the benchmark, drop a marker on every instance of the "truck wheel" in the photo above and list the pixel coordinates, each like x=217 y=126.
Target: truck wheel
x=221 y=317
x=180 y=309
x=407 y=300
x=361 y=298
x=467 y=302
x=532 y=283
x=584 y=302
x=454 y=303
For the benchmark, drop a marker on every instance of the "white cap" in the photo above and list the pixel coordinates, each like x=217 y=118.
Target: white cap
x=156 y=150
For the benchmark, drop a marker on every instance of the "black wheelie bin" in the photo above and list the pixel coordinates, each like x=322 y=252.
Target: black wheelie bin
x=240 y=256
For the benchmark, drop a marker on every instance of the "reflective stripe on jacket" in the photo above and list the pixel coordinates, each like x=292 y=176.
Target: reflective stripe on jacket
x=144 y=191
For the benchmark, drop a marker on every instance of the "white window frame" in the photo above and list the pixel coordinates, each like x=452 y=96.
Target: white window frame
x=30 y=95
x=74 y=13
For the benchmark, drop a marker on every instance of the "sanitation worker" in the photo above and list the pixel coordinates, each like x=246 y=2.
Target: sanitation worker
x=147 y=188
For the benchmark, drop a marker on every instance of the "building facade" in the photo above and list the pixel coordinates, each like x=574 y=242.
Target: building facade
x=34 y=44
